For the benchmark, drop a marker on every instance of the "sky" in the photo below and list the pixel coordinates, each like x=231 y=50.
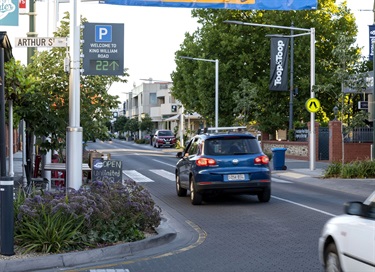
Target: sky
x=152 y=34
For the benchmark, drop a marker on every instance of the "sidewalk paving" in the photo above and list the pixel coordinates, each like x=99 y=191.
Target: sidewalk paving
x=172 y=231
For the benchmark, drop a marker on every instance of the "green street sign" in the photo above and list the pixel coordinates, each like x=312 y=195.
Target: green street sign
x=103 y=49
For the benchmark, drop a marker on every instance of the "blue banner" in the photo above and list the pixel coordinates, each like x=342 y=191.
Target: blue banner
x=222 y=4
x=371 y=31
x=9 y=13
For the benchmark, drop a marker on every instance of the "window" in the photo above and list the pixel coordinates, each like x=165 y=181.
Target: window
x=165 y=133
x=153 y=99
x=231 y=146
x=193 y=150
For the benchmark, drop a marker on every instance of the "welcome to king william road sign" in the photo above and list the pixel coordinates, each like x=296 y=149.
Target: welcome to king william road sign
x=103 y=49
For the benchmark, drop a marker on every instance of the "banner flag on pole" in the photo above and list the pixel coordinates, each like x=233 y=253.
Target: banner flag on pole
x=371 y=35
x=279 y=64
x=222 y=4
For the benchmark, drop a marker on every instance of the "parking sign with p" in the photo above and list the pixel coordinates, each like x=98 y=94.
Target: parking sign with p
x=103 y=49
x=103 y=33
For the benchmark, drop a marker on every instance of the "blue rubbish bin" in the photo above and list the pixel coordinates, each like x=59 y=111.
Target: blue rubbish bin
x=278 y=157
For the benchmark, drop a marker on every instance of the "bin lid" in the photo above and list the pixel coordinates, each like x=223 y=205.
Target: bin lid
x=279 y=149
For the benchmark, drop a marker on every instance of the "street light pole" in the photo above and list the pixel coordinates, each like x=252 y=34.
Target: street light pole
x=310 y=31
x=216 y=85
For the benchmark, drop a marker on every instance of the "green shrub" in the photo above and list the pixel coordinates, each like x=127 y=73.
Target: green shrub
x=355 y=169
x=99 y=214
x=50 y=232
x=333 y=170
x=142 y=141
x=350 y=170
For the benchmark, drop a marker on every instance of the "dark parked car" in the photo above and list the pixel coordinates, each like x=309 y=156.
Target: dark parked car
x=164 y=138
x=223 y=162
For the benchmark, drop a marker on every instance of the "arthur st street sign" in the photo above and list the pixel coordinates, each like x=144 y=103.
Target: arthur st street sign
x=103 y=49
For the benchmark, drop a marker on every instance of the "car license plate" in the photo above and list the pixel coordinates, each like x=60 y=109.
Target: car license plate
x=236 y=177
x=167 y=142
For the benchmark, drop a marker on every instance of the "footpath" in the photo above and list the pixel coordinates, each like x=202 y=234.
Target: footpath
x=173 y=232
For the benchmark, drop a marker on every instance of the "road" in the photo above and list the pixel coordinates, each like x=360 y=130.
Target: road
x=233 y=233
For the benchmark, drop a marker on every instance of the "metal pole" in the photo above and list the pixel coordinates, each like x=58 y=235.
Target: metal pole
x=3 y=165
x=182 y=122
x=291 y=79
x=10 y=162
x=216 y=85
x=216 y=93
x=74 y=131
x=312 y=95
x=6 y=183
x=373 y=100
x=7 y=216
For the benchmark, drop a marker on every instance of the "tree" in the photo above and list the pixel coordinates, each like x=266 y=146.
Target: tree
x=244 y=53
x=350 y=72
x=119 y=124
x=147 y=124
x=132 y=125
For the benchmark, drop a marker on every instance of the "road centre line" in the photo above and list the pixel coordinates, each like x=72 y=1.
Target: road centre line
x=304 y=206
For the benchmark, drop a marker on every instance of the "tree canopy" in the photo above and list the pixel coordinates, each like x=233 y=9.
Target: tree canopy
x=244 y=64
x=40 y=92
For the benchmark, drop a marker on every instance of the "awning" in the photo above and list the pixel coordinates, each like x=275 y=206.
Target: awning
x=193 y=116
x=156 y=119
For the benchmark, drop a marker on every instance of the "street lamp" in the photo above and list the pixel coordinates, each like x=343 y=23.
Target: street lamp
x=216 y=85
x=310 y=31
x=335 y=112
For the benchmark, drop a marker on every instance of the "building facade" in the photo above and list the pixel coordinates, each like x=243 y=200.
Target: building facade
x=155 y=99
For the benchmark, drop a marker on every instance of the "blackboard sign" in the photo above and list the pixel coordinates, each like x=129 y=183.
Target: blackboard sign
x=106 y=170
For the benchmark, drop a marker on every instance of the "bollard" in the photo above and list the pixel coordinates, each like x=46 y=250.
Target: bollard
x=7 y=216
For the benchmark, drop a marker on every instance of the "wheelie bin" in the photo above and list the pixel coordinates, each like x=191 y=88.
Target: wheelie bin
x=278 y=157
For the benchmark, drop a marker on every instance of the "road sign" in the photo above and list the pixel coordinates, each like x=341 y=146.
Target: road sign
x=312 y=105
x=103 y=49
x=41 y=42
x=363 y=105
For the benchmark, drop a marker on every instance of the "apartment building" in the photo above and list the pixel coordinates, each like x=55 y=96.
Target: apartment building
x=155 y=99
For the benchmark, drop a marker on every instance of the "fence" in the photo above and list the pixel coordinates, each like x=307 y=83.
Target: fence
x=358 y=135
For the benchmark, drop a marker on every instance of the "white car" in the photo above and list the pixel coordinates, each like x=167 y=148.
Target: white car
x=347 y=242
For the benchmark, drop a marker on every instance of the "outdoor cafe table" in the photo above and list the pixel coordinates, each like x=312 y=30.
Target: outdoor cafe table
x=61 y=167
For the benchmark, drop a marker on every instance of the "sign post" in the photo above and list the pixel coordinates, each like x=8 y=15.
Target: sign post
x=103 y=49
x=41 y=42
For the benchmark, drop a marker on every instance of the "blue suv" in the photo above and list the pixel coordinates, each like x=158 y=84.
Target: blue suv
x=223 y=160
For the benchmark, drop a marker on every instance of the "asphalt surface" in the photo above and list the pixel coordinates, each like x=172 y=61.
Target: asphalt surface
x=174 y=232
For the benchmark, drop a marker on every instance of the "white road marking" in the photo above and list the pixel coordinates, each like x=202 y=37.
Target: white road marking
x=173 y=165
x=136 y=176
x=280 y=180
x=164 y=174
x=304 y=206
x=292 y=175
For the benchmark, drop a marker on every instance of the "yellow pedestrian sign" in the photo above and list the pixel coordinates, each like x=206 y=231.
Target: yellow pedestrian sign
x=312 y=105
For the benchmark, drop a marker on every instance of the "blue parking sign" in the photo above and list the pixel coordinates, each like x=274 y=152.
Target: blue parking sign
x=103 y=33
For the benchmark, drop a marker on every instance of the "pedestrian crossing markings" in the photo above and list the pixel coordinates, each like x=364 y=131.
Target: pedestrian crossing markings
x=138 y=177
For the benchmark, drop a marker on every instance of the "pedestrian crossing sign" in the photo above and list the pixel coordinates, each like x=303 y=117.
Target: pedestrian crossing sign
x=312 y=105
